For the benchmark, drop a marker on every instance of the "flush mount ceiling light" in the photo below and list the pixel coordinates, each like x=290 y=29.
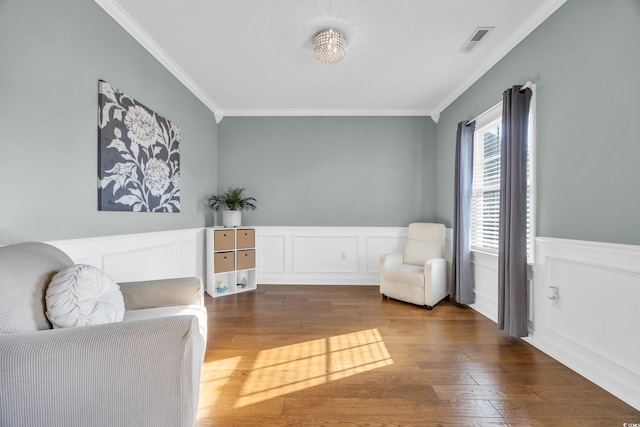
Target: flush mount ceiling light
x=328 y=46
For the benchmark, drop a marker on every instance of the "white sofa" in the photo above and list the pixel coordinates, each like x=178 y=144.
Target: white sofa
x=142 y=371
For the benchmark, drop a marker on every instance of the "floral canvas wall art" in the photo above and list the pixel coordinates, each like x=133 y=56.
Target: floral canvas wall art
x=138 y=156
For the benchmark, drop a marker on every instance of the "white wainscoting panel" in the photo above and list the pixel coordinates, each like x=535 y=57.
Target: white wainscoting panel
x=127 y=263
x=585 y=291
x=376 y=246
x=485 y=276
x=324 y=255
x=144 y=256
x=594 y=327
x=271 y=258
x=327 y=255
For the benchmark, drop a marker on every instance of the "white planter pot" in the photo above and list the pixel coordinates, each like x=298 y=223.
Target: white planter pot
x=231 y=218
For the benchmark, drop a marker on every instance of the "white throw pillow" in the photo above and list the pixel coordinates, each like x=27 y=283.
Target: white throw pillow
x=83 y=295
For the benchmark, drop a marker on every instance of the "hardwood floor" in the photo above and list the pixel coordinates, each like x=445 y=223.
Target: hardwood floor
x=342 y=356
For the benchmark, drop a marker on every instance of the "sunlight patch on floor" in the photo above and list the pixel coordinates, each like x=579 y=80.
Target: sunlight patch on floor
x=214 y=382
x=282 y=370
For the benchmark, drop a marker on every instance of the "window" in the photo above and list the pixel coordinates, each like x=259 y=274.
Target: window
x=485 y=198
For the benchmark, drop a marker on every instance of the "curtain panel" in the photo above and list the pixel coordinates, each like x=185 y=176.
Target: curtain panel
x=512 y=252
x=461 y=273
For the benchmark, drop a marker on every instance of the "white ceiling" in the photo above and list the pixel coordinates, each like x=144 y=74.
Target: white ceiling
x=254 y=58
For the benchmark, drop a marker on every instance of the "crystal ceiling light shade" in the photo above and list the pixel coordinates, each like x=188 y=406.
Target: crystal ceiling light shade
x=328 y=46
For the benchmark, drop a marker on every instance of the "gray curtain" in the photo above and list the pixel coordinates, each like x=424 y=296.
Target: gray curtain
x=512 y=253
x=461 y=278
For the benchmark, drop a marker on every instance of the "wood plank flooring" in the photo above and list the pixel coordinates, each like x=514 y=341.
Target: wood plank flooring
x=343 y=356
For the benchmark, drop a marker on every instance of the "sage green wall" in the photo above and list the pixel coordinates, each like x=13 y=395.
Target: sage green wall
x=331 y=171
x=53 y=54
x=314 y=171
x=585 y=60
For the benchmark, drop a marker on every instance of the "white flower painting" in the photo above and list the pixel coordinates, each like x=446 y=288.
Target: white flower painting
x=138 y=156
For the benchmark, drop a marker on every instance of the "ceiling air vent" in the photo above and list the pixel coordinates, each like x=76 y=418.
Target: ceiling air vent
x=477 y=36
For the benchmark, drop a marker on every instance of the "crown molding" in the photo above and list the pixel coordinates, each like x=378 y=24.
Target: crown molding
x=131 y=26
x=303 y=112
x=545 y=10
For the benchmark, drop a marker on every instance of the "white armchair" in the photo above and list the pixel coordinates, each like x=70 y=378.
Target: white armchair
x=419 y=276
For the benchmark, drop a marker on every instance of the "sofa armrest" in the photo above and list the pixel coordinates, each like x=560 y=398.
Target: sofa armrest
x=142 y=373
x=162 y=293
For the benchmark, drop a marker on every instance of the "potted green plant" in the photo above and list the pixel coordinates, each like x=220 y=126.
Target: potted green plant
x=232 y=203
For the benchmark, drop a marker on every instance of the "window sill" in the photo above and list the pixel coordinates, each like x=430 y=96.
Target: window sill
x=484 y=252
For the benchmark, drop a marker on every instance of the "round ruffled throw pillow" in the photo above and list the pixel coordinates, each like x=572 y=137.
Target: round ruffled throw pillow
x=83 y=295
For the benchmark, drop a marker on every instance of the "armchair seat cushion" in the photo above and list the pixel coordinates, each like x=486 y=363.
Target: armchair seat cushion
x=407 y=274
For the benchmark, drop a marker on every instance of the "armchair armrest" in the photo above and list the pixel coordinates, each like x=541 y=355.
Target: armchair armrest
x=142 y=373
x=435 y=281
x=437 y=268
x=162 y=293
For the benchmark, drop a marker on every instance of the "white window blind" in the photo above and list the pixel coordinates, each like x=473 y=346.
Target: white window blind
x=530 y=183
x=485 y=199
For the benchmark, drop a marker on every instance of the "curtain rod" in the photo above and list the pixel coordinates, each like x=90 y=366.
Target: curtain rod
x=527 y=85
